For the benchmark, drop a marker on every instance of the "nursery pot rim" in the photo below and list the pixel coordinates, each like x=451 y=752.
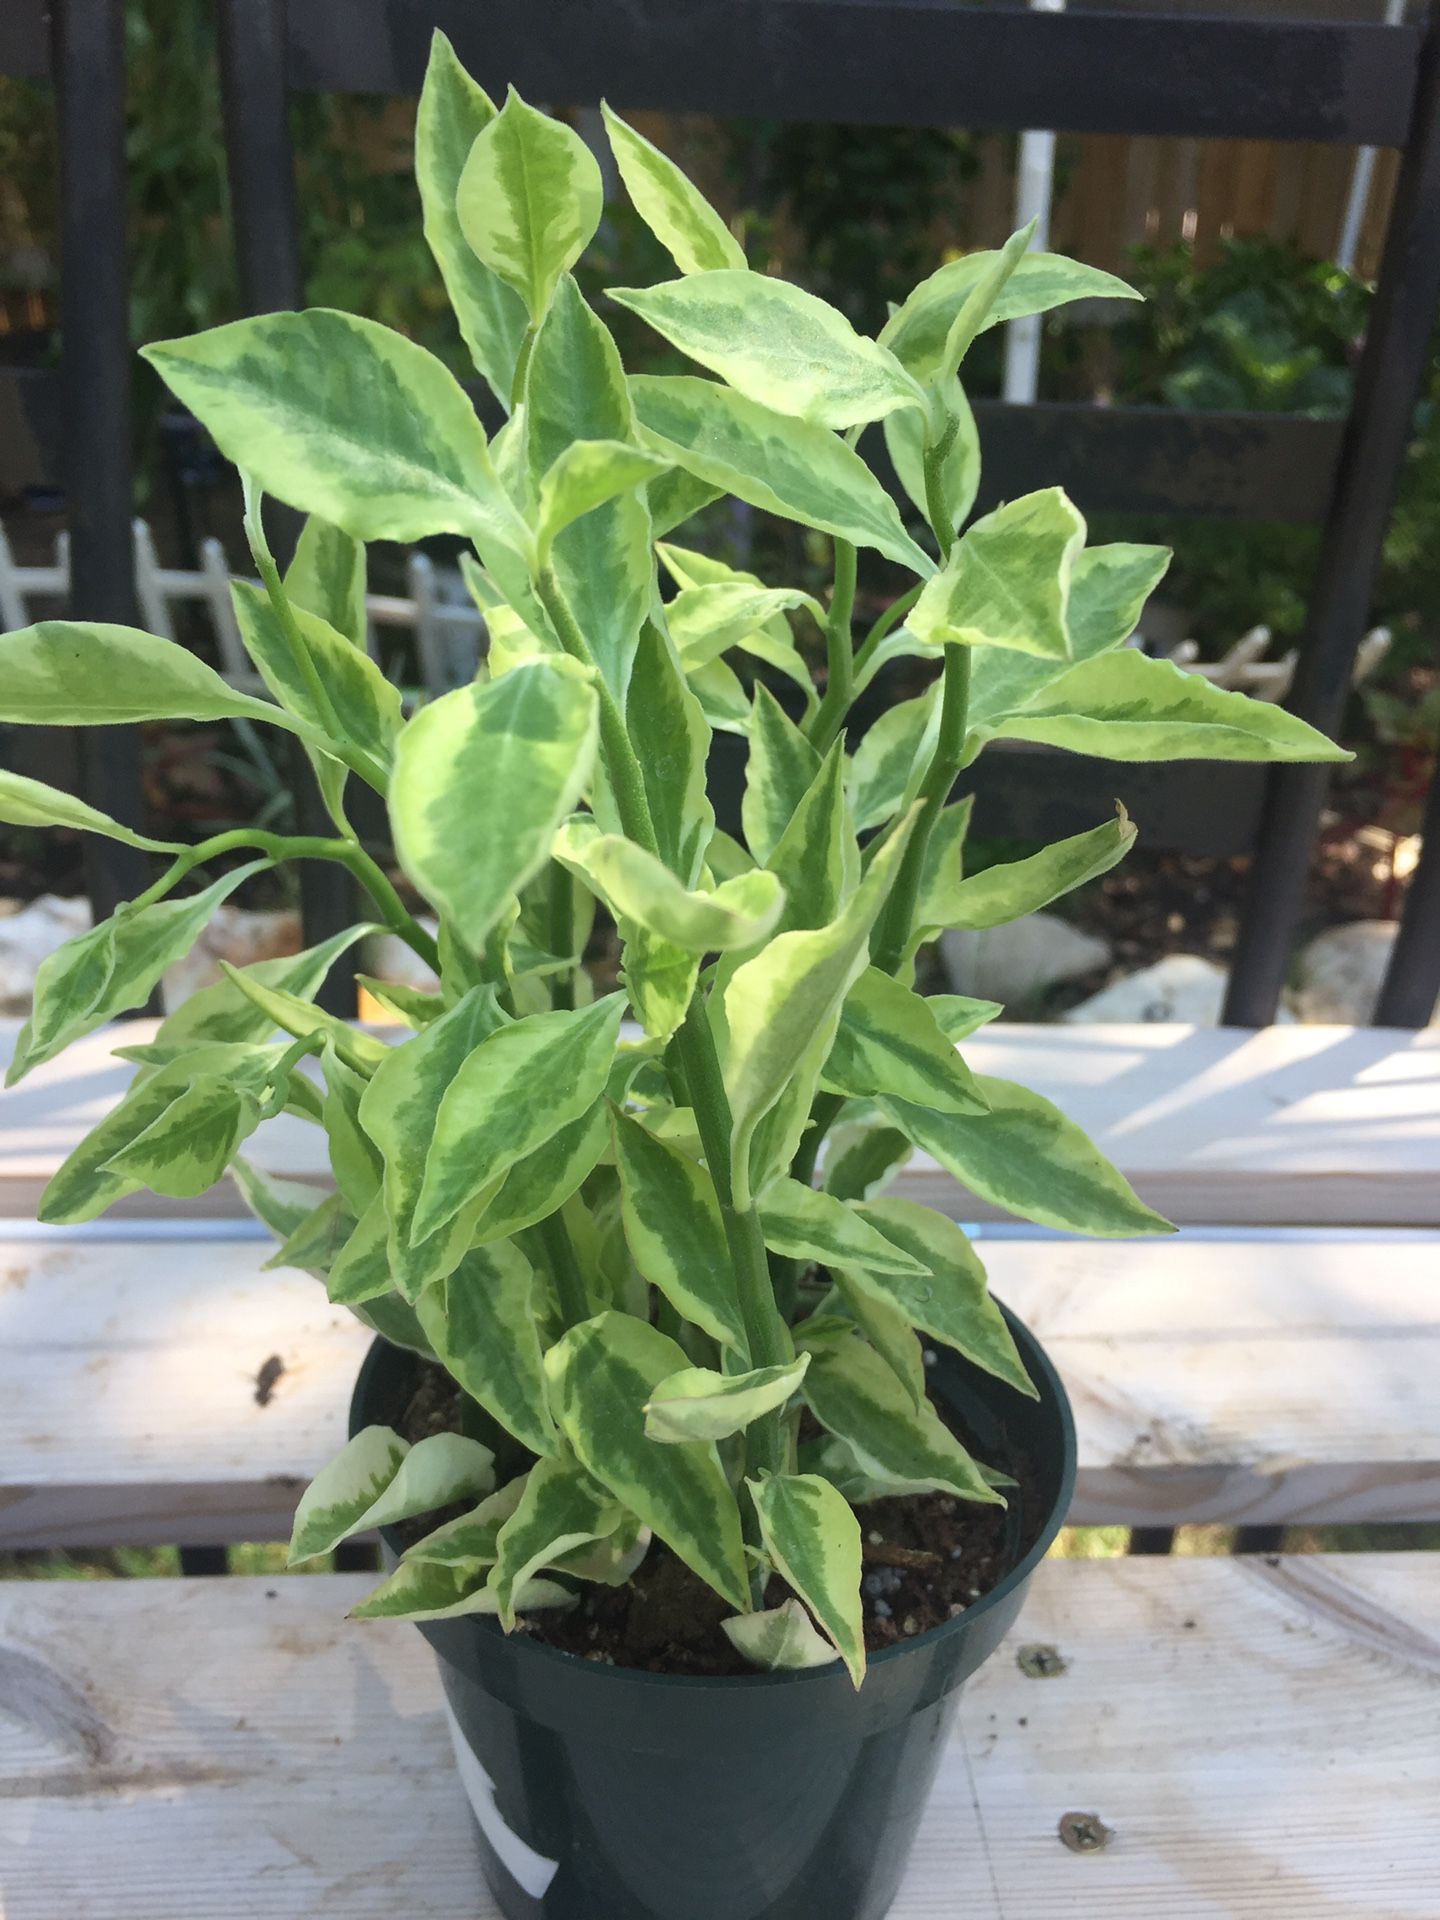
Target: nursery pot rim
x=1050 y=1386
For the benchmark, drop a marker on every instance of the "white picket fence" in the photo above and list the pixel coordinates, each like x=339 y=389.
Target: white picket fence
x=447 y=627
x=449 y=630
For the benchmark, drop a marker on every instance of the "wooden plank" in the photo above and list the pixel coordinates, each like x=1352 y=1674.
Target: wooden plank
x=1257 y=1381
x=1259 y=1737
x=1307 y=1126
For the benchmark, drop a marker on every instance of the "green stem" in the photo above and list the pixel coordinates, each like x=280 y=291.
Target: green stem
x=829 y=716
x=561 y=932
x=553 y=1237
x=937 y=506
x=279 y=846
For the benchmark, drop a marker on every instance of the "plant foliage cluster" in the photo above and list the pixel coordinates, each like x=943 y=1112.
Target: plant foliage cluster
x=602 y=1215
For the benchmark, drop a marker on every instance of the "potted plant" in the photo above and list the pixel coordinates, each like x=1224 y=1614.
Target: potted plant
x=673 y=1417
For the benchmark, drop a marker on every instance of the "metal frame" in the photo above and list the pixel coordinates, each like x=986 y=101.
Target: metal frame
x=917 y=62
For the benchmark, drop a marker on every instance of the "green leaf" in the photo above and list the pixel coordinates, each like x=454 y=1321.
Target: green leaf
x=890 y=762
x=407 y=1006
x=944 y=863
x=516 y=1090
x=279 y=1203
x=360 y=1271
x=782 y=1007
x=959 y=1016
x=603 y=562
x=673 y=208
x=364 y=702
x=1025 y=1156
x=793 y=468
x=587 y=475
x=636 y=886
x=512 y=756
x=601 y=1374
x=975 y=310
x=776 y=344
x=1017 y=887
x=706 y=621
x=469 y=1540
x=699 y=1404
x=860 y=1158
x=917 y=333
x=113 y=968
x=953 y=1303
x=482 y=1321
x=780 y=1640
x=817 y=858
x=544 y=1180
x=80 y=673
x=1123 y=706
x=1108 y=589
x=905 y=442
x=223 y=1012
x=561 y=1509
x=326 y=578
x=400 y=1106
x=671 y=737
x=856 y=1396
x=781 y=771
x=317 y=1241
x=1007 y=581
x=454 y=111
x=378 y=1479
x=675 y=497
x=675 y=1232
x=341 y=417
x=529 y=200
x=299 y=1017
x=186 y=1149
x=723 y=700
x=354 y=1158
x=883 y=1324
x=419 y=1590
x=889 y=1041
x=812 y=1536
x=30 y=803
x=805 y=1224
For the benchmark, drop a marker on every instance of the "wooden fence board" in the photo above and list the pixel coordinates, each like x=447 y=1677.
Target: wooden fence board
x=1257 y=1381
x=1259 y=1737
x=1307 y=1126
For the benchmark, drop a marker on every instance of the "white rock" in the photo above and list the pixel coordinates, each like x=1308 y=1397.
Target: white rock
x=1182 y=987
x=1014 y=963
x=1341 y=972
x=27 y=936
x=234 y=934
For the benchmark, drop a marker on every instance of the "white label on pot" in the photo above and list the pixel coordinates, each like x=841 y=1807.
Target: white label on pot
x=531 y=1870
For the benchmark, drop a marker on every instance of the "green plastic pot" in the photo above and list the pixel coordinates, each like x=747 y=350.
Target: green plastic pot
x=602 y=1793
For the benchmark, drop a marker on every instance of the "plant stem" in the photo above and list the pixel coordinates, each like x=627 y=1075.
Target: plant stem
x=553 y=1236
x=561 y=932
x=937 y=506
x=279 y=846
x=827 y=718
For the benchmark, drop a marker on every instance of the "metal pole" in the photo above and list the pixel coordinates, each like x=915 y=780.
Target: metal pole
x=1412 y=979
x=260 y=167
x=1357 y=200
x=1034 y=194
x=88 y=63
x=1395 y=360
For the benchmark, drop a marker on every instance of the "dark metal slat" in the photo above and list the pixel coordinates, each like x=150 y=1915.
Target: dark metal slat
x=260 y=167
x=911 y=63
x=1217 y=466
x=1412 y=980
x=24 y=40
x=88 y=58
x=1397 y=352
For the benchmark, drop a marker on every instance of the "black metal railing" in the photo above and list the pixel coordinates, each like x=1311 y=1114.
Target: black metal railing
x=915 y=62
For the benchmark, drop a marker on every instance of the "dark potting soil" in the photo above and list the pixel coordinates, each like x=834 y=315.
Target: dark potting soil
x=927 y=1557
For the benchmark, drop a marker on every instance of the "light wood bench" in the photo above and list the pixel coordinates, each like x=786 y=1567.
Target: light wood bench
x=1259 y=1732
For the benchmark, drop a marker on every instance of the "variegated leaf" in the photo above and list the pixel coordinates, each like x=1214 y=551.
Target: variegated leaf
x=362 y=700
x=482 y=1320
x=636 y=886
x=30 y=803
x=561 y=1509
x=780 y=1640
x=1015 y=887
x=675 y=1231
x=805 y=1224
x=601 y=1374
x=529 y=200
x=673 y=208
x=812 y=1536
x=700 y=1404
x=1007 y=581
x=423 y=1590
x=379 y=1478
x=888 y=1041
